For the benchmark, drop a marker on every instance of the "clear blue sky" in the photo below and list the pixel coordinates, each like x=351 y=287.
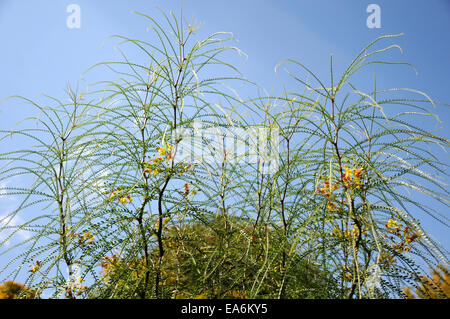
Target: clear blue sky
x=40 y=54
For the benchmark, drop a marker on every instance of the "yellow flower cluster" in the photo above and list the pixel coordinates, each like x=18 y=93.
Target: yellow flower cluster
x=164 y=222
x=122 y=198
x=125 y=199
x=391 y=224
x=188 y=191
x=352 y=177
x=172 y=244
x=80 y=290
x=331 y=206
x=327 y=191
x=161 y=151
x=160 y=163
x=184 y=168
x=82 y=238
x=77 y=287
x=404 y=233
x=113 y=194
x=152 y=167
x=109 y=262
x=347 y=234
x=155 y=167
x=35 y=267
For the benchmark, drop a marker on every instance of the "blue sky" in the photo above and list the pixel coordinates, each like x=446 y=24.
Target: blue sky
x=40 y=54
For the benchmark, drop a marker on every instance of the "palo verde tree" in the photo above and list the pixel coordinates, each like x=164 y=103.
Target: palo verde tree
x=163 y=182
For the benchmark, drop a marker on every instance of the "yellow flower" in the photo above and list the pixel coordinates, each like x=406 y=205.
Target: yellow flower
x=126 y=199
x=113 y=194
x=331 y=206
x=164 y=221
x=35 y=267
x=410 y=239
x=336 y=232
x=161 y=151
x=148 y=167
x=391 y=223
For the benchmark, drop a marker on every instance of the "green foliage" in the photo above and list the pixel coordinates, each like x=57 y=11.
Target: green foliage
x=209 y=261
x=332 y=221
